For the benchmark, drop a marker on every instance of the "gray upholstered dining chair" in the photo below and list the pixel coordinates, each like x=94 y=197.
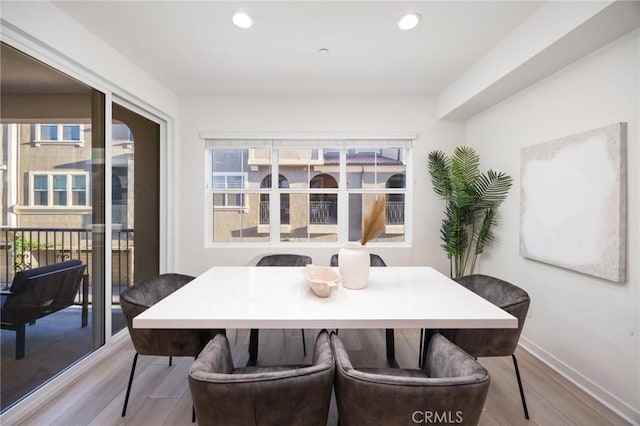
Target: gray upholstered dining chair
x=161 y=342
x=276 y=395
x=276 y=260
x=451 y=383
x=376 y=260
x=494 y=342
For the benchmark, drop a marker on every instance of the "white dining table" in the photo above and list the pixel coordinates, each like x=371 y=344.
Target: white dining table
x=280 y=297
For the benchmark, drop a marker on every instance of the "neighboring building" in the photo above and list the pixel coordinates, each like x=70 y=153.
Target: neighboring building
x=308 y=187
x=46 y=175
x=46 y=191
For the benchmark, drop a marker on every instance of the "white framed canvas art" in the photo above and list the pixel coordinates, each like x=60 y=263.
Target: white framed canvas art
x=573 y=202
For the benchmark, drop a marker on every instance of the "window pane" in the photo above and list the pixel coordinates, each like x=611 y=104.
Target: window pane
x=78 y=187
x=59 y=198
x=360 y=206
x=218 y=182
x=121 y=132
x=71 y=132
x=235 y=182
x=394 y=214
x=265 y=213
x=295 y=164
x=79 y=182
x=323 y=209
x=312 y=218
x=233 y=225
x=40 y=182
x=235 y=200
x=59 y=190
x=59 y=182
x=40 y=198
x=49 y=132
x=371 y=168
x=228 y=160
x=219 y=200
x=79 y=198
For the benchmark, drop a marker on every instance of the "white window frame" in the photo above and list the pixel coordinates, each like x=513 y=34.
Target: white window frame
x=226 y=191
x=39 y=141
x=337 y=143
x=50 y=191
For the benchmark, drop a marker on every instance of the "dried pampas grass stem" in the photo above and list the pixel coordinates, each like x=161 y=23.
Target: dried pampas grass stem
x=373 y=224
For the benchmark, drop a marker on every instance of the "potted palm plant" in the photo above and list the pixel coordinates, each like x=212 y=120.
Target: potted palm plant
x=471 y=202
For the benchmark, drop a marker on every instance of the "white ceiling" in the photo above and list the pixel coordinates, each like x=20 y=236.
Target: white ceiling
x=194 y=49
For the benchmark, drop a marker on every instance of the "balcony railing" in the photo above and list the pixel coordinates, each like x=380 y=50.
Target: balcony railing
x=26 y=248
x=395 y=213
x=323 y=212
x=265 y=213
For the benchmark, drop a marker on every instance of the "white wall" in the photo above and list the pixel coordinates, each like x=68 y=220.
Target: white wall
x=306 y=114
x=37 y=24
x=584 y=326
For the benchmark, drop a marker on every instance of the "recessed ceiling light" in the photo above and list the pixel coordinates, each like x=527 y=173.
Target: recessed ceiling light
x=242 y=20
x=323 y=51
x=409 y=21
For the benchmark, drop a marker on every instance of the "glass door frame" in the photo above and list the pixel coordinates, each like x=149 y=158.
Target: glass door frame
x=112 y=93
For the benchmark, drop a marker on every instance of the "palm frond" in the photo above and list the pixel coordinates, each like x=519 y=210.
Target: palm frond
x=492 y=188
x=438 y=166
x=485 y=237
x=465 y=163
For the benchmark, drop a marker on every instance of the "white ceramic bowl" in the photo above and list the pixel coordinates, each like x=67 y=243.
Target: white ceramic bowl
x=321 y=279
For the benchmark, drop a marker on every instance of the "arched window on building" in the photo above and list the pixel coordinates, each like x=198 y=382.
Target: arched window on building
x=323 y=208
x=395 y=202
x=283 y=182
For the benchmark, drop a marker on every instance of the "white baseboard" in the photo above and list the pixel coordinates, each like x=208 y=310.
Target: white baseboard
x=615 y=404
x=19 y=412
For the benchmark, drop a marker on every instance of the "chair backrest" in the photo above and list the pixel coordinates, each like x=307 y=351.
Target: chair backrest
x=284 y=260
x=492 y=342
x=375 y=260
x=277 y=395
x=166 y=342
x=43 y=290
x=453 y=384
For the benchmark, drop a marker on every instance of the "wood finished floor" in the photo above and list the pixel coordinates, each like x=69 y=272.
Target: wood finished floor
x=160 y=394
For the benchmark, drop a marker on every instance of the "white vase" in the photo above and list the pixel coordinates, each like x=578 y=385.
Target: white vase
x=354 y=264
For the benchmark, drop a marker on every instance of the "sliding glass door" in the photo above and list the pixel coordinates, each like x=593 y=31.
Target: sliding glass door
x=135 y=206
x=52 y=185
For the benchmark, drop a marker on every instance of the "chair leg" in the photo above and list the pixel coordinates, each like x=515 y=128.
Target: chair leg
x=126 y=397
x=193 y=404
x=170 y=359
x=21 y=335
x=304 y=344
x=524 y=402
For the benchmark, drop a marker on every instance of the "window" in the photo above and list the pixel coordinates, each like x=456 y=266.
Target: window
x=221 y=182
x=323 y=192
x=59 y=189
x=59 y=134
x=121 y=132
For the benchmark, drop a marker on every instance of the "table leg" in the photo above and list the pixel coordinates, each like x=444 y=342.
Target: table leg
x=425 y=344
x=391 y=347
x=253 y=348
x=85 y=300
